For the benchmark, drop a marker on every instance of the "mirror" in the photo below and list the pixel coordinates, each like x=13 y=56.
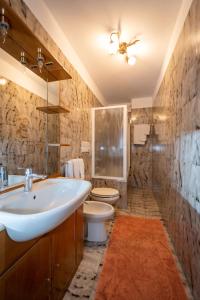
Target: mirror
x=29 y=102
x=25 y=131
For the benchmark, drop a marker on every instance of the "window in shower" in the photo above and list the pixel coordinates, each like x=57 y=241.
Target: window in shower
x=109 y=142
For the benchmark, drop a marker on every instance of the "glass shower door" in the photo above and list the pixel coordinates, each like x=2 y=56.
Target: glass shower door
x=109 y=153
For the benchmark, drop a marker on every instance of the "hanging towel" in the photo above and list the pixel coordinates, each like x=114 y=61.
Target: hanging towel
x=69 y=169
x=76 y=168
x=140 y=133
x=81 y=168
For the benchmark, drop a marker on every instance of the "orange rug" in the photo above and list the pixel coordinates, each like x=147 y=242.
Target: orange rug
x=139 y=264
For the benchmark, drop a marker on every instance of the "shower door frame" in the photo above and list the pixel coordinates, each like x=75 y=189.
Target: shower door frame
x=125 y=141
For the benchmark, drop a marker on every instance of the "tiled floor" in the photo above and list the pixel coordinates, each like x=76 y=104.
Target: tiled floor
x=85 y=279
x=140 y=203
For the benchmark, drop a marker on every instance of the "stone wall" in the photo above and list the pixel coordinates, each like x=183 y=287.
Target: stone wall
x=176 y=144
x=140 y=174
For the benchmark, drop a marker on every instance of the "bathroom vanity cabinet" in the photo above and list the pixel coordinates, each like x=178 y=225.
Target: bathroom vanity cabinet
x=42 y=268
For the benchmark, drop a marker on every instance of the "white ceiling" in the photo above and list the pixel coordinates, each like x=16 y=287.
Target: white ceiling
x=86 y=23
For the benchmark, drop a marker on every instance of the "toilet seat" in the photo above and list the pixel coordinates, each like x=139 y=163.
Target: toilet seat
x=109 y=200
x=105 y=192
x=106 y=195
x=96 y=211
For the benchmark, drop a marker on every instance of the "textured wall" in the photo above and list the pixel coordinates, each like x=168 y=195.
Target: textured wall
x=176 y=155
x=140 y=174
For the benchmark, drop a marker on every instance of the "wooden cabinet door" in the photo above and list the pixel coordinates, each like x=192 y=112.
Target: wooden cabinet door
x=11 y=251
x=30 y=277
x=79 y=235
x=64 y=253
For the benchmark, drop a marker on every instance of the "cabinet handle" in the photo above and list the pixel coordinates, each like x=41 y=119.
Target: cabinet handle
x=48 y=279
x=57 y=265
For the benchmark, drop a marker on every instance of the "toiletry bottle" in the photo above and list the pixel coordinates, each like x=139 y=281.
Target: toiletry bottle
x=3 y=176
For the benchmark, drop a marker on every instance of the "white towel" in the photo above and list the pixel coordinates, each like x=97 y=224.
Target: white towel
x=140 y=133
x=66 y=170
x=76 y=168
x=69 y=169
x=81 y=168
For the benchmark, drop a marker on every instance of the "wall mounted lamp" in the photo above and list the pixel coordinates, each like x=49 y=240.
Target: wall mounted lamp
x=4 y=26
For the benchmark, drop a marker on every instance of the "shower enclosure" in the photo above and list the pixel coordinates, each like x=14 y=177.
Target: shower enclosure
x=109 y=142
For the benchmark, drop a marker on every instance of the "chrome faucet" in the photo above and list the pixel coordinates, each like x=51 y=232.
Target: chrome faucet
x=29 y=179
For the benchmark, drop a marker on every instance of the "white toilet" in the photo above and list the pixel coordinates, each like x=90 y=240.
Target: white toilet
x=107 y=195
x=96 y=213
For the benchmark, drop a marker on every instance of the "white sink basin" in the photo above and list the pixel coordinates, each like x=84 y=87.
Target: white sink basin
x=32 y=214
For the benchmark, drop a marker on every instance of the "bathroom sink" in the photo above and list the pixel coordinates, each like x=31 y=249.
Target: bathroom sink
x=27 y=215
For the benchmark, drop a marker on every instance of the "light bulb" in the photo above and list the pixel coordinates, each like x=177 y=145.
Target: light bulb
x=3 y=81
x=141 y=48
x=131 y=60
x=113 y=48
x=114 y=37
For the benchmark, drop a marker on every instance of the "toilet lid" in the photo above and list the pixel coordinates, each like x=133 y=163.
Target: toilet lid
x=105 y=192
x=97 y=208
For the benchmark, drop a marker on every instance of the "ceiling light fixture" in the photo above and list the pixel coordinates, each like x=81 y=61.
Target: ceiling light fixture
x=4 y=26
x=117 y=46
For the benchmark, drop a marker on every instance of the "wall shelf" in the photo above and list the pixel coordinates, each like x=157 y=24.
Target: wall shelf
x=59 y=145
x=53 y=109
